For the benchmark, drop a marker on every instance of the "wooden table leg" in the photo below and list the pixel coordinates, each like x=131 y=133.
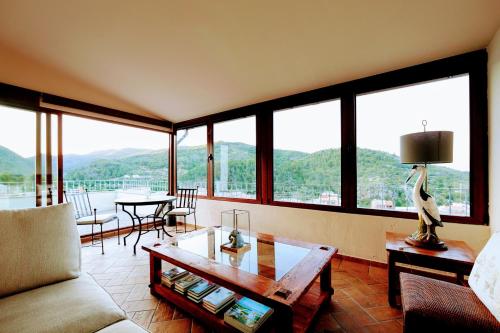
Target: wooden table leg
x=154 y=271
x=326 y=278
x=392 y=279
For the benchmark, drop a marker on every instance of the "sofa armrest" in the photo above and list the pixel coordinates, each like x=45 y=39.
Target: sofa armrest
x=433 y=305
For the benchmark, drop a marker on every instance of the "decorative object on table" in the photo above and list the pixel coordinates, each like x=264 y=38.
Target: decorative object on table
x=247 y=315
x=218 y=300
x=420 y=149
x=236 y=220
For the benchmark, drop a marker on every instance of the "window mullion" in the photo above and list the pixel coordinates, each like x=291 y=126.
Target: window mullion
x=348 y=151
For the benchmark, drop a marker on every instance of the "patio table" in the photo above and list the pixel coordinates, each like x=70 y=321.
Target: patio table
x=136 y=218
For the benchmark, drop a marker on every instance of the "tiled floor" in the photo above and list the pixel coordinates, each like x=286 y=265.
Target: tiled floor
x=359 y=303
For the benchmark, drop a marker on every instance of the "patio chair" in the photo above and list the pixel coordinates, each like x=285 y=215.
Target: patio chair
x=85 y=215
x=185 y=205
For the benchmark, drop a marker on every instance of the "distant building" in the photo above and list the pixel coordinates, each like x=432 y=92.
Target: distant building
x=329 y=198
x=382 y=204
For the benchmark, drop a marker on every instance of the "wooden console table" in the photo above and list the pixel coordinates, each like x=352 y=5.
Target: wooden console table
x=458 y=259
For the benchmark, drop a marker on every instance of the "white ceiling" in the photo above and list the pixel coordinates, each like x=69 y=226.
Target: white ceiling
x=179 y=60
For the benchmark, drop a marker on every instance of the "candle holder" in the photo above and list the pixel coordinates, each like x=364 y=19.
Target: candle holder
x=238 y=221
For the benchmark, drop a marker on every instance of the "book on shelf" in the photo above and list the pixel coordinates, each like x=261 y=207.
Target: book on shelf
x=169 y=277
x=247 y=315
x=218 y=299
x=200 y=289
x=182 y=285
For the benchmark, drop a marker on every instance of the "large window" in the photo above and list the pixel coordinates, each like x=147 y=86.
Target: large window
x=192 y=158
x=113 y=161
x=382 y=117
x=17 y=158
x=337 y=148
x=235 y=158
x=306 y=155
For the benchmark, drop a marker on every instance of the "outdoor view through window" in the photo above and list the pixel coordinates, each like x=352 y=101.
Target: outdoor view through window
x=113 y=161
x=382 y=117
x=17 y=158
x=234 y=160
x=192 y=159
x=307 y=154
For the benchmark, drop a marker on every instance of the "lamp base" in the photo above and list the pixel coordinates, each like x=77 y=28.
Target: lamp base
x=431 y=245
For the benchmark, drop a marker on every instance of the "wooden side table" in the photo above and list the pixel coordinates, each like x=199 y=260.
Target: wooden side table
x=458 y=259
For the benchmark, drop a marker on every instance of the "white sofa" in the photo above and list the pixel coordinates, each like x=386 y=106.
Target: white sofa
x=42 y=288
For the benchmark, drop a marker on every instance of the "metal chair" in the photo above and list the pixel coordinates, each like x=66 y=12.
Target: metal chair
x=185 y=205
x=85 y=215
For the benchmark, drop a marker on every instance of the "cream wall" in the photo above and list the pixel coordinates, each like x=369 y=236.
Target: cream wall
x=359 y=236
x=494 y=129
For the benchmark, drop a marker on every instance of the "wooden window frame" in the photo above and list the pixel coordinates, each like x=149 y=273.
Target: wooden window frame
x=474 y=64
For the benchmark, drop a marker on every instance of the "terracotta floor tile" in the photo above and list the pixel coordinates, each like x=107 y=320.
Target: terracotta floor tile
x=164 y=312
x=171 y=326
x=391 y=326
x=197 y=327
x=143 y=318
x=149 y=304
x=326 y=323
x=384 y=313
x=353 y=320
x=378 y=273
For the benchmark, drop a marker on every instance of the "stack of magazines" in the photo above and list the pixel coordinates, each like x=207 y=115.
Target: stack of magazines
x=247 y=315
x=218 y=300
x=168 y=277
x=183 y=284
x=200 y=289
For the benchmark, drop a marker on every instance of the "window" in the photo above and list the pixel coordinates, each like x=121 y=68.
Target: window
x=113 y=161
x=235 y=158
x=306 y=155
x=383 y=116
x=17 y=158
x=192 y=158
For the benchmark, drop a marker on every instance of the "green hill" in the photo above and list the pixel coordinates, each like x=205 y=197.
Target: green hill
x=13 y=167
x=307 y=176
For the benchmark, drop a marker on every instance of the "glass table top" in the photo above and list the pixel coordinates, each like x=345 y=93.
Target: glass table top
x=270 y=259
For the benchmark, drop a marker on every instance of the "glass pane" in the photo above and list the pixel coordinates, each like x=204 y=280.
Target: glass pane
x=270 y=259
x=17 y=158
x=235 y=166
x=114 y=161
x=192 y=158
x=382 y=117
x=307 y=154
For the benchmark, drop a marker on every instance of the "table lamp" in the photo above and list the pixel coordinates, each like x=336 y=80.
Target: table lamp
x=420 y=149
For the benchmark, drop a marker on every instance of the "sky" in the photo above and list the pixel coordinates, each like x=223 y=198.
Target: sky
x=382 y=117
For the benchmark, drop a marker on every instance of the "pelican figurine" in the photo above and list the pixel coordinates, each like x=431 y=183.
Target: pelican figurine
x=428 y=213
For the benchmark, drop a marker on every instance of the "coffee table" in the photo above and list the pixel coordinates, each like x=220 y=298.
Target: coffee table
x=275 y=271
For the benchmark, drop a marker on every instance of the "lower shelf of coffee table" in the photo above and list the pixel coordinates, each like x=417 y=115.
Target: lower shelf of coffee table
x=303 y=313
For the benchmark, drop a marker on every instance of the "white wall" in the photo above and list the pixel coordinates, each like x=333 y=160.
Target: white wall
x=494 y=129
x=359 y=236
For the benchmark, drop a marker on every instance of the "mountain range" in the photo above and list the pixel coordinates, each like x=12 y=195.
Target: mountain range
x=292 y=168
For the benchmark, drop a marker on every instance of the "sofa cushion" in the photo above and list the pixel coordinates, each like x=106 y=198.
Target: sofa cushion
x=124 y=326
x=38 y=246
x=485 y=276
x=431 y=305
x=78 y=306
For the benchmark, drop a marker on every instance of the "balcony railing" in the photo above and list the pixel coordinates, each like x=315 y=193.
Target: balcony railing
x=451 y=200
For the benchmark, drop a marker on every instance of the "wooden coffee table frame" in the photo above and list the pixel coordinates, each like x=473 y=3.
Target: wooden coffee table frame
x=295 y=312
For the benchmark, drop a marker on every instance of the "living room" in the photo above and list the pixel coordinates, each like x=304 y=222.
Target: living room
x=292 y=131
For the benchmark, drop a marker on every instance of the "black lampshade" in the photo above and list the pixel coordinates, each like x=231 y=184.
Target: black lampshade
x=427 y=147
